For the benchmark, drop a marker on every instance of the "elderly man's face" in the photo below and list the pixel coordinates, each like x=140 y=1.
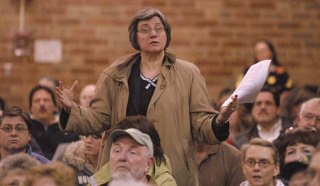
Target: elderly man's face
x=261 y=173
x=129 y=160
x=14 y=134
x=264 y=109
x=151 y=35
x=310 y=116
x=43 y=107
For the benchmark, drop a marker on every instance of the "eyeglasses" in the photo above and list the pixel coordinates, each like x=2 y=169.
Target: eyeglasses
x=310 y=117
x=262 y=163
x=18 y=128
x=147 y=29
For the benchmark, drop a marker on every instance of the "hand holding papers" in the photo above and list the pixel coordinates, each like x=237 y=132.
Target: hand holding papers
x=251 y=83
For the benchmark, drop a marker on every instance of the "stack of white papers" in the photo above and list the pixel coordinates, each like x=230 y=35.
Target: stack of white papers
x=251 y=83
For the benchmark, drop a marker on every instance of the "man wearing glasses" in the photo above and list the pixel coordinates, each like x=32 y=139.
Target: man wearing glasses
x=260 y=163
x=15 y=125
x=310 y=113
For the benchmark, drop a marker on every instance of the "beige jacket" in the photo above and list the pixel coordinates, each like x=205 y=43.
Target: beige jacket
x=158 y=175
x=180 y=104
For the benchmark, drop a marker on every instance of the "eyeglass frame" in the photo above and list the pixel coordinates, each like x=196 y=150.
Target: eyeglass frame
x=310 y=117
x=146 y=30
x=9 y=128
x=262 y=163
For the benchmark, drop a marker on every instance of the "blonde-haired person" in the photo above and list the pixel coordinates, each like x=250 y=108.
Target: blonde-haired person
x=82 y=156
x=53 y=174
x=260 y=163
x=13 y=168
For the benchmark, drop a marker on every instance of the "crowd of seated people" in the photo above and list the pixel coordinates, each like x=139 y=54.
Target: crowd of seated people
x=289 y=133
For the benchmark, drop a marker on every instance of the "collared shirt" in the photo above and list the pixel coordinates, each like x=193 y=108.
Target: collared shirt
x=38 y=157
x=278 y=183
x=41 y=159
x=272 y=134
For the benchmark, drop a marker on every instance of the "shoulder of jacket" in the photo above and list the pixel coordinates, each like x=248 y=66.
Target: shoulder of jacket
x=118 y=62
x=230 y=149
x=186 y=65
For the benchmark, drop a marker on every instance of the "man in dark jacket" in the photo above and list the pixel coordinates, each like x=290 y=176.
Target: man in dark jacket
x=45 y=129
x=265 y=112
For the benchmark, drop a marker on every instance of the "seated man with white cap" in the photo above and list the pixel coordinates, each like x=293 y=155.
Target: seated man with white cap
x=131 y=155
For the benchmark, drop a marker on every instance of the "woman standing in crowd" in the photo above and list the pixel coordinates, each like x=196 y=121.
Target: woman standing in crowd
x=154 y=83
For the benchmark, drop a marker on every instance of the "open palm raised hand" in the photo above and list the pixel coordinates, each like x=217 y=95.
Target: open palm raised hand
x=66 y=95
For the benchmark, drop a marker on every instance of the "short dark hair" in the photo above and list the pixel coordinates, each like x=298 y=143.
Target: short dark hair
x=15 y=112
x=276 y=97
x=2 y=104
x=146 y=14
x=293 y=136
x=51 y=79
x=40 y=87
x=144 y=125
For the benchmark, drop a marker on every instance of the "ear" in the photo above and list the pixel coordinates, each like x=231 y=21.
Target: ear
x=29 y=136
x=299 y=118
x=279 y=110
x=276 y=170
x=243 y=169
x=150 y=163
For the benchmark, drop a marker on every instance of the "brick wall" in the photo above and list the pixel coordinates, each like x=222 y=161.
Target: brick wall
x=216 y=35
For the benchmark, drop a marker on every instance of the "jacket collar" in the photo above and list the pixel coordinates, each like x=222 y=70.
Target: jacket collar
x=124 y=67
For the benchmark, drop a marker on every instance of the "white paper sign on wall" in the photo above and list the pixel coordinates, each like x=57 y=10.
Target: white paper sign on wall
x=48 y=51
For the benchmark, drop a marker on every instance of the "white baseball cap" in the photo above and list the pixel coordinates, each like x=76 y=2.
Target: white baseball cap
x=138 y=136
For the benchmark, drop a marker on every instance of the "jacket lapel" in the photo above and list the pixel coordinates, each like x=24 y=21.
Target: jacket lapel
x=163 y=79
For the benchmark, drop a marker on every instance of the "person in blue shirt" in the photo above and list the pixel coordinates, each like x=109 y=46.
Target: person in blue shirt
x=15 y=135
